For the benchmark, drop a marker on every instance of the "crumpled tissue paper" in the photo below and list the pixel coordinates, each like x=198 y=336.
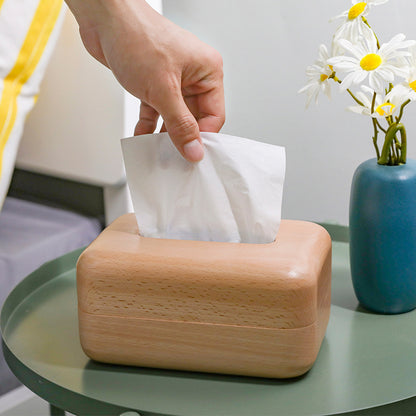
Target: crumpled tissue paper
x=233 y=195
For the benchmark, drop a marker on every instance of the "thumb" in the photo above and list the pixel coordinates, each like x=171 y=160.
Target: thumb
x=182 y=128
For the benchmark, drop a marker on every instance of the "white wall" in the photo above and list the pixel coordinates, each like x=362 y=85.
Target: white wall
x=266 y=45
x=75 y=127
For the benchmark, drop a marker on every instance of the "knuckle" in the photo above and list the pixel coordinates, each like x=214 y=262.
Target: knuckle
x=163 y=83
x=184 y=128
x=216 y=60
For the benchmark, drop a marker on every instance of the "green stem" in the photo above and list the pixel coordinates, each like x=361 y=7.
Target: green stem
x=403 y=146
x=355 y=98
x=373 y=103
x=375 y=138
x=394 y=157
x=375 y=127
x=401 y=111
x=380 y=127
x=390 y=137
x=349 y=91
x=366 y=22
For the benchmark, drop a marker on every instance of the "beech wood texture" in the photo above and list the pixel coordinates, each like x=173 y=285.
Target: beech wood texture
x=247 y=309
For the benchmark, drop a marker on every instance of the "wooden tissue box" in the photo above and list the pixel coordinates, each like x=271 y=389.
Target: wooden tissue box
x=247 y=309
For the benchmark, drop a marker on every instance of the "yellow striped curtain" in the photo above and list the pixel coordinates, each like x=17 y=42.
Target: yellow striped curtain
x=28 y=33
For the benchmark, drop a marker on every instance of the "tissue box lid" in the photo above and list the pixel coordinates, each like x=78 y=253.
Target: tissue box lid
x=281 y=285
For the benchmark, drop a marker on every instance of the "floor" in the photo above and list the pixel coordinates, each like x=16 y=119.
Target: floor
x=22 y=402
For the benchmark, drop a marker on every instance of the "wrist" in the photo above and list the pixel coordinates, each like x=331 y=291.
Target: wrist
x=95 y=14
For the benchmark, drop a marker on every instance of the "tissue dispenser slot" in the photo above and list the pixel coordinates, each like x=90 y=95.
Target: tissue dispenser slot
x=245 y=309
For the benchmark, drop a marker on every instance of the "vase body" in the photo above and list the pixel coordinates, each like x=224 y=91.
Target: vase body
x=383 y=236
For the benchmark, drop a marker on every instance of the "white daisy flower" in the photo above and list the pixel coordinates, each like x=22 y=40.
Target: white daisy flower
x=410 y=81
x=410 y=85
x=366 y=98
x=384 y=106
x=401 y=93
x=318 y=77
x=353 y=26
x=380 y=65
x=336 y=47
x=412 y=58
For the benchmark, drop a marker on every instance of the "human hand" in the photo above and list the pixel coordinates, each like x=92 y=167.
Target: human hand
x=171 y=71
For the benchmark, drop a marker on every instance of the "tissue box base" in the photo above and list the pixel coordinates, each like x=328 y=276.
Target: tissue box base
x=246 y=309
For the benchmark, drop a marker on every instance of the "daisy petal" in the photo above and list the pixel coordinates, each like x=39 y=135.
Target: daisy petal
x=348 y=46
x=387 y=75
x=347 y=82
x=359 y=77
x=323 y=52
x=375 y=82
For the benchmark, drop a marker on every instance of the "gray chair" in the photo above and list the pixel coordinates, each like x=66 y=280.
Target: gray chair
x=30 y=235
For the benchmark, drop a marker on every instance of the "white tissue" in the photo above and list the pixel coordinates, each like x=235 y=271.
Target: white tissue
x=233 y=195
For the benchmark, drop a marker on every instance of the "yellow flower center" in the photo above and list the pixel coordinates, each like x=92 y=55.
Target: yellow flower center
x=324 y=77
x=385 y=109
x=412 y=85
x=356 y=10
x=370 y=62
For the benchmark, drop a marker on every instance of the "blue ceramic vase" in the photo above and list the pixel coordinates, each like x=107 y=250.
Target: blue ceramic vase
x=383 y=236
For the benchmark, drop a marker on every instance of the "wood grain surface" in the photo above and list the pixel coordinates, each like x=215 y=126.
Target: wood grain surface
x=251 y=309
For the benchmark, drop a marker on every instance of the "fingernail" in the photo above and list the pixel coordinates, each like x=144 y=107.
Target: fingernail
x=193 y=151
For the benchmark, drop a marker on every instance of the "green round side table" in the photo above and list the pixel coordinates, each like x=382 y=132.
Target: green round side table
x=366 y=365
